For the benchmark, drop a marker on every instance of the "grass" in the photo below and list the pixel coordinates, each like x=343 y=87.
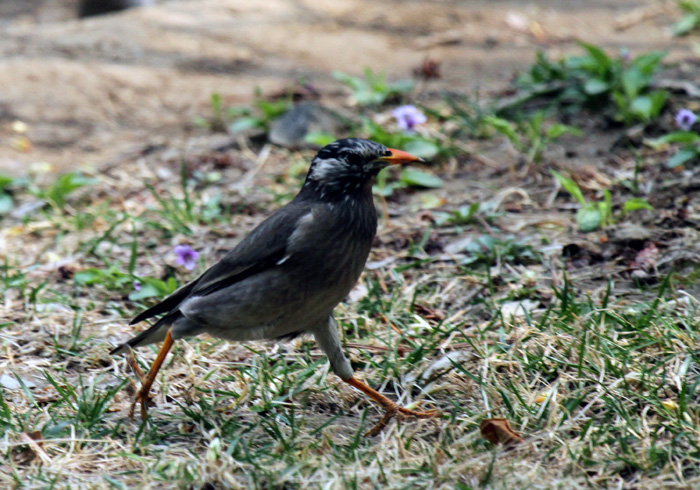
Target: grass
x=599 y=372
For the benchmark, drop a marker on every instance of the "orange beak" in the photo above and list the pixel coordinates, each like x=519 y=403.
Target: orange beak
x=399 y=157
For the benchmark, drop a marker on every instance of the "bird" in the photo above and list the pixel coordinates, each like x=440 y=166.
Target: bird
x=286 y=277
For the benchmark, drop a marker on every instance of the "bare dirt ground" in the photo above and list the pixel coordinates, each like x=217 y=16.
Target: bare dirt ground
x=94 y=91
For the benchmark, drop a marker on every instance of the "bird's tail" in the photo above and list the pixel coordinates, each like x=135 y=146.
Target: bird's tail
x=153 y=335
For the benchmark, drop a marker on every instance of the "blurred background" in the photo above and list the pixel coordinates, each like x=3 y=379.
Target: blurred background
x=86 y=90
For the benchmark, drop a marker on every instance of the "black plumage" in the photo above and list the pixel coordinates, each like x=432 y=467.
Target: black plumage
x=289 y=273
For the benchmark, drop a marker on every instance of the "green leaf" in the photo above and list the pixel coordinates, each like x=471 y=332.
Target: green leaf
x=422 y=148
x=6 y=203
x=319 y=138
x=152 y=287
x=683 y=137
x=690 y=6
x=352 y=82
x=65 y=185
x=571 y=186
x=464 y=214
x=595 y=86
x=387 y=189
x=684 y=155
x=401 y=86
x=273 y=109
x=88 y=276
x=686 y=24
x=658 y=100
x=369 y=97
x=648 y=63
x=506 y=128
x=244 y=124
x=636 y=203
x=418 y=178
x=642 y=107
x=588 y=217
x=5 y=181
x=556 y=130
x=215 y=102
x=146 y=291
x=602 y=60
x=632 y=82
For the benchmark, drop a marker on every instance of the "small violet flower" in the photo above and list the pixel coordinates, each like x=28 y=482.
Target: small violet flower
x=185 y=256
x=685 y=119
x=408 y=117
x=137 y=285
x=625 y=55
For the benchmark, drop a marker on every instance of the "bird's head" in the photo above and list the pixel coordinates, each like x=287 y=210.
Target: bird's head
x=350 y=165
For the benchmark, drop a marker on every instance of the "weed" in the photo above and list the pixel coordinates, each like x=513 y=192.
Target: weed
x=530 y=136
x=688 y=147
x=598 y=81
x=373 y=89
x=470 y=116
x=259 y=116
x=690 y=21
x=57 y=193
x=6 y=200
x=595 y=214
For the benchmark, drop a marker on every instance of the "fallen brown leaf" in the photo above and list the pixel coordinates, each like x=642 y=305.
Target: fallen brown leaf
x=429 y=314
x=26 y=454
x=428 y=70
x=498 y=431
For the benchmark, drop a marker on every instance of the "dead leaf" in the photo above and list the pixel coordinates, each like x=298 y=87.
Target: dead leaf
x=27 y=454
x=22 y=144
x=429 y=314
x=646 y=258
x=429 y=69
x=669 y=405
x=498 y=431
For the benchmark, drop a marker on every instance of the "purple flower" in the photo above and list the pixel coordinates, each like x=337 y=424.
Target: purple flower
x=625 y=55
x=185 y=256
x=685 y=119
x=137 y=285
x=408 y=117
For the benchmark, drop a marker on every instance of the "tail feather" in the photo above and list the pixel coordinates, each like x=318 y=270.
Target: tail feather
x=168 y=304
x=153 y=335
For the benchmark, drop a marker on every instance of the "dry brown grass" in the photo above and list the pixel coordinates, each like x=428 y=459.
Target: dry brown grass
x=598 y=374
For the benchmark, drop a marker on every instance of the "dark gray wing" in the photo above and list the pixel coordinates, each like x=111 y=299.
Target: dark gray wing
x=263 y=248
x=168 y=304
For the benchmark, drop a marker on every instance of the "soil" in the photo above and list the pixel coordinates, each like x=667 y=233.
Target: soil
x=93 y=92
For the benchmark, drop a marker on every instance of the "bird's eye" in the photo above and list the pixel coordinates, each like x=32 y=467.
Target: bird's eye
x=387 y=153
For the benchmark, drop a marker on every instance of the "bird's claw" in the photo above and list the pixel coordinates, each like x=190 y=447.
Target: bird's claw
x=142 y=394
x=401 y=412
x=143 y=398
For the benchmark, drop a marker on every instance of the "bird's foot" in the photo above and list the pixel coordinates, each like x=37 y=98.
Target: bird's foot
x=148 y=379
x=400 y=412
x=393 y=409
x=131 y=361
x=142 y=397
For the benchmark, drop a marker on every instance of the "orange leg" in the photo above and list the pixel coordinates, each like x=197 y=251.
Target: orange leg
x=131 y=361
x=392 y=409
x=147 y=381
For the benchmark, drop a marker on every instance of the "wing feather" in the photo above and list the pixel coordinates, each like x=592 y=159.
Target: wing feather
x=265 y=247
